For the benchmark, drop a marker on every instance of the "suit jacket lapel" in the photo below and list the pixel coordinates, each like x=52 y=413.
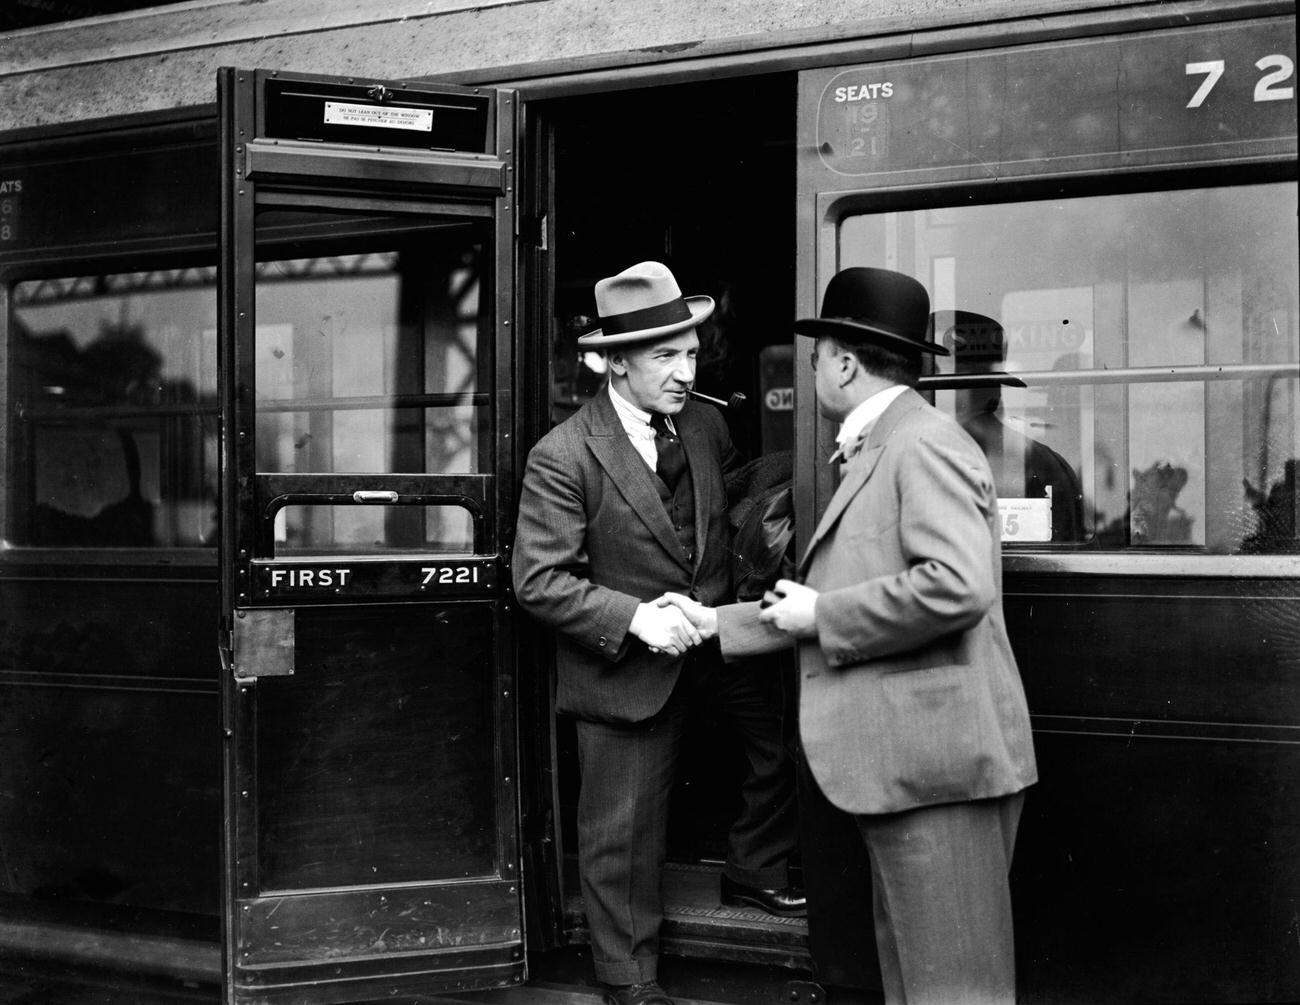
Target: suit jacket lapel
x=631 y=475
x=860 y=469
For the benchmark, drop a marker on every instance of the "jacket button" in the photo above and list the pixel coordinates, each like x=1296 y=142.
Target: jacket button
x=601 y=641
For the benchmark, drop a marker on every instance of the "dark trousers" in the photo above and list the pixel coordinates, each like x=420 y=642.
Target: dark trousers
x=627 y=779
x=942 y=901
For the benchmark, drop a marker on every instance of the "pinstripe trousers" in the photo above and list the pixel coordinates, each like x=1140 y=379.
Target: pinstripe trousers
x=627 y=781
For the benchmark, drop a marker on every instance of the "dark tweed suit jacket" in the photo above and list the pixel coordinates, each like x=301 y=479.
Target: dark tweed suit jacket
x=593 y=540
x=909 y=694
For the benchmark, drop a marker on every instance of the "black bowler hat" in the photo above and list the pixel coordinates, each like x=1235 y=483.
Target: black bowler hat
x=877 y=306
x=978 y=342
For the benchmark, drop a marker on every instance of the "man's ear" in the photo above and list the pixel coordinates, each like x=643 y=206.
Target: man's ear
x=617 y=362
x=847 y=365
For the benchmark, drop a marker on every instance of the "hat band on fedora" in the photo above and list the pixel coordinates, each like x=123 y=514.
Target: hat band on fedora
x=646 y=318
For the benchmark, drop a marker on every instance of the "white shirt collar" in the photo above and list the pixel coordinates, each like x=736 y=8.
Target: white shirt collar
x=859 y=421
x=634 y=418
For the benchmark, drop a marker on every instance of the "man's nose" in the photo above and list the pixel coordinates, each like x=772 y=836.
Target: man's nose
x=684 y=371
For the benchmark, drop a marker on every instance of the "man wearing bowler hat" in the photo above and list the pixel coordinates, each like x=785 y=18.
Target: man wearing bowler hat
x=911 y=710
x=622 y=502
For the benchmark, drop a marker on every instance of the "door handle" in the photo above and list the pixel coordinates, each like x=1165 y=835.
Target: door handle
x=374 y=496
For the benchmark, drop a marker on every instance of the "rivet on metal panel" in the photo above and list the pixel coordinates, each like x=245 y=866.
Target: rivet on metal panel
x=512 y=889
x=229 y=733
x=241 y=614
x=244 y=793
x=241 y=191
x=510 y=866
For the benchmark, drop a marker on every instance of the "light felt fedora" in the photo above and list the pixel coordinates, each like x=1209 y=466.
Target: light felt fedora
x=643 y=303
x=876 y=306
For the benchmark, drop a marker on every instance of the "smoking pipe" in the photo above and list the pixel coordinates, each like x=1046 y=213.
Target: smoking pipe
x=735 y=401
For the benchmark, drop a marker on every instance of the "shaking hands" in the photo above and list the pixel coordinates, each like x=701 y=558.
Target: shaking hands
x=674 y=623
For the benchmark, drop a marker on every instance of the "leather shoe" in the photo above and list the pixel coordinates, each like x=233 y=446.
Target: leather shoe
x=783 y=901
x=645 y=993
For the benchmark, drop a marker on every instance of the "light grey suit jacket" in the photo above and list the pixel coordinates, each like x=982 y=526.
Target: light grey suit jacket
x=909 y=694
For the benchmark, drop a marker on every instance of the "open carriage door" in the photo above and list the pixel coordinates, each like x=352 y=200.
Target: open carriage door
x=367 y=274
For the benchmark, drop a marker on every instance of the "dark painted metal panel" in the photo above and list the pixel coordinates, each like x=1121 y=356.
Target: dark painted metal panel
x=272 y=160
x=1129 y=101
x=284 y=934
x=108 y=728
x=1157 y=650
x=114 y=631
x=1159 y=871
x=376 y=760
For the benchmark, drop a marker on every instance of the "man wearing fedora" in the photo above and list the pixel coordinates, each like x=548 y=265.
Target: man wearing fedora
x=622 y=502
x=911 y=711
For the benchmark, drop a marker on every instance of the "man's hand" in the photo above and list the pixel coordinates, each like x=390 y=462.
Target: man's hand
x=705 y=619
x=663 y=629
x=791 y=607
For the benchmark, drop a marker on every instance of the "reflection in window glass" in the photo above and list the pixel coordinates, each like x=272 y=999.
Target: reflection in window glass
x=373 y=362
x=1156 y=336
x=114 y=436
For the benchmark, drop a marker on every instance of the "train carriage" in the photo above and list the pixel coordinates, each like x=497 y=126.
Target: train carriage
x=272 y=729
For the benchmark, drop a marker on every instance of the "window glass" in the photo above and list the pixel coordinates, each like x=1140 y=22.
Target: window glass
x=372 y=356
x=113 y=437
x=1148 y=345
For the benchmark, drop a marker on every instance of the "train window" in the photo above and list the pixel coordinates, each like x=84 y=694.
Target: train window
x=375 y=361
x=1151 y=345
x=114 y=425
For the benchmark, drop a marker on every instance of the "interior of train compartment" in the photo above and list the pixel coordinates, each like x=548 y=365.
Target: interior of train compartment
x=699 y=176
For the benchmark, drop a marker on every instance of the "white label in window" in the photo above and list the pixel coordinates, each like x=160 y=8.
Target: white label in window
x=1025 y=520
x=340 y=114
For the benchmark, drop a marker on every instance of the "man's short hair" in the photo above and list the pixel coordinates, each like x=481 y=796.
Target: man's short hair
x=896 y=367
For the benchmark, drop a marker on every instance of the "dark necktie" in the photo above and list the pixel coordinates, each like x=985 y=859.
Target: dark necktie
x=672 y=458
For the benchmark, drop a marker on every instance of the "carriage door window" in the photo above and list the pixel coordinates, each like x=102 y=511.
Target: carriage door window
x=1149 y=348
x=375 y=361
